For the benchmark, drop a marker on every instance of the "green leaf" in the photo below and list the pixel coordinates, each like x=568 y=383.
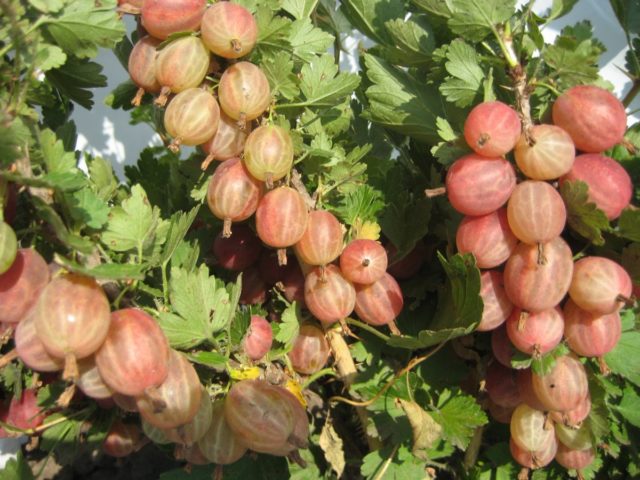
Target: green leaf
x=48 y=6
x=544 y=365
x=55 y=157
x=87 y=208
x=61 y=181
x=412 y=41
x=105 y=271
x=299 y=8
x=370 y=16
x=308 y=41
x=13 y=137
x=83 y=26
x=459 y=305
x=16 y=468
x=628 y=14
x=179 y=225
x=209 y=359
x=624 y=359
x=321 y=83
x=48 y=57
x=363 y=203
x=289 y=326
x=134 y=225
x=584 y=216
x=273 y=31
x=573 y=58
x=121 y=96
x=475 y=19
x=459 y=416
x=70 y=240
x=559 y=8
x=467 y=77
x=202 y=306
x=102 y=178
x=400 y=102
x=388 y=463
x=76 y=78
x=436 y=7
x=181 y=333
x=405 y=221
x=629 y=407
x=279 y=71
x=629 y=224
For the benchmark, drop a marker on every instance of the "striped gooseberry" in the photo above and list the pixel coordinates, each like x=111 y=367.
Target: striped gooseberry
x=590 y=334
x=478 y=185
x=191 y=118
x=239 y=251
x=322 y=241
x=219 y=444
x=535 y=333
x=536 y=212
x=8 y=246
x=268 y=153
x=244 y=92
x=133 y=358
x=233 y=194
x=90 y=381
x=281 y=219
x=142 y=67
x=595 y=118
x=72 y=319
x=534 y=459
x=599 y=285
x=488 y=237
x=258 y=416
x=529 y=428
x=258 y=339
x=403 y=268
x=501 y=347
x=492 y=129
x=30 y=348
x=22 y=284
x=328 y=295
x=527 y=393
x=192 y=432
x=122 y=439
x=363 y=261
x=534 y=284
x=574 y=459
x=310 y=350
x=229 y=30
x=564 y=386
x=254 y=290
x=573 y=418
x=501 y=385
x=228 y=142
x=177 y=400
x=549 y=156
x=575 y=438
x=496 y=304
x=161 y=18
x=180 y=65
x=380 y=302
x=610 y=186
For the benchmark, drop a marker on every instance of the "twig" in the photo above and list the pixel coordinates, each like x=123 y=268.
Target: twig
x=296 y=182
x=412 y=364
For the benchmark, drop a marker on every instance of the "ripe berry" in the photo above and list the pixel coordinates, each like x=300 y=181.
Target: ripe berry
x=310 y=350
x=258 y=339
x=229 y=30
x=161 y=18
x=244 y=92
x=492 y=129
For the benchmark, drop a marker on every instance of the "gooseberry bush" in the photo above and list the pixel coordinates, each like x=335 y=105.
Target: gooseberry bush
x=425 y=269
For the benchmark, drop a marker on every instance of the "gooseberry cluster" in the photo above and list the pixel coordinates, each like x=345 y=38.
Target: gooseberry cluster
x=513 y=228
